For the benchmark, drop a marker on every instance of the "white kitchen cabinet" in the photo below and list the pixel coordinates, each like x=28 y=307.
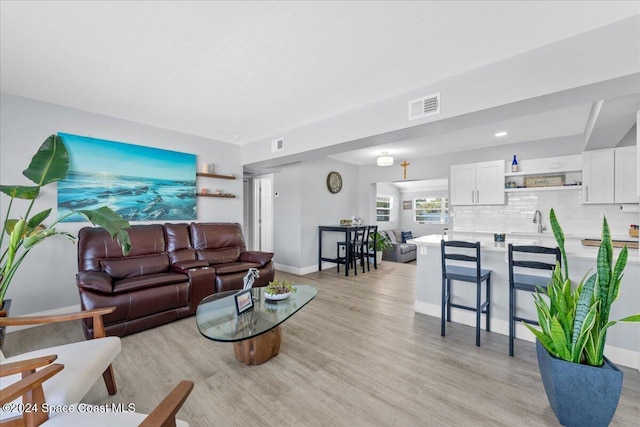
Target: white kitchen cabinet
x=598 y=176
x=626 y=173
x=478 y=183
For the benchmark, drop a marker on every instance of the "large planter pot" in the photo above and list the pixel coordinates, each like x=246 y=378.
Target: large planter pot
x=378 y=257
x=580 y=395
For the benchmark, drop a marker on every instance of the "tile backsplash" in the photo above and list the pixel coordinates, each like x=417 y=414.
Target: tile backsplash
x=517 y=214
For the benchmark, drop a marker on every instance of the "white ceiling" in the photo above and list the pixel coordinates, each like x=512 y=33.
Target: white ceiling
x=242 y=71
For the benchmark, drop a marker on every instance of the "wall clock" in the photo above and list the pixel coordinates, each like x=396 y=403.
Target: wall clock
x=334 y=182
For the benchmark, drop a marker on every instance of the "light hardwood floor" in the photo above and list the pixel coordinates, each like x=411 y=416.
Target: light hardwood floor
x=357 y=355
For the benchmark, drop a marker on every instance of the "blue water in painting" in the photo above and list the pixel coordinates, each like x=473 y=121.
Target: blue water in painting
x=134 y=198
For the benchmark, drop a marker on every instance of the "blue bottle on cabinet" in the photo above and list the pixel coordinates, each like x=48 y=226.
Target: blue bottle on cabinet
x=514 y=164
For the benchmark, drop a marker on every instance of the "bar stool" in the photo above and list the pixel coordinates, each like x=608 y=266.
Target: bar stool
x=527 y=282
x=473 y=274
x=356 y=238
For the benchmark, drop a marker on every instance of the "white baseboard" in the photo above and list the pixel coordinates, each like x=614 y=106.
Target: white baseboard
x=617 y=355
x=304 y=270
x=61 y=310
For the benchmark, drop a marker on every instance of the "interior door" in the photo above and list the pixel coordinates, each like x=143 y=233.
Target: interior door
x=263 y=213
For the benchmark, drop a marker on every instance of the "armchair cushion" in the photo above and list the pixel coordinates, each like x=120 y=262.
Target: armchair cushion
x=122 y=268
x=261 y=258
x=84 y=361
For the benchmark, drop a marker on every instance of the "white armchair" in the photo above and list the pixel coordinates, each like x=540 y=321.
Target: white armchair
x=30 y=388
x=85 y=361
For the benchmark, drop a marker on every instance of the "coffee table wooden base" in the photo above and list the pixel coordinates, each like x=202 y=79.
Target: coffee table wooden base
x=255 y=351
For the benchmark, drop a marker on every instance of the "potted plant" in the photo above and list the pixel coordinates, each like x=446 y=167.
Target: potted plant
x=583 y=386
x=49 y=164
x=380 y=243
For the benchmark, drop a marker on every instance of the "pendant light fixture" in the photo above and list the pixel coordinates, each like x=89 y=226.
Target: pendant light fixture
x=385 y=159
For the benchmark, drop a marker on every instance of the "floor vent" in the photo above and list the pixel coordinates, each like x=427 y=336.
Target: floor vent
x=277 y=145
x=425 y=106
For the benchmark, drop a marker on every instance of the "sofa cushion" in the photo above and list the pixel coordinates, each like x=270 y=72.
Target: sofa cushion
x=406 y=248
x=389 y=235
x=397 y=234
x=219 y=256
x=148 y=281
x=186 y=265
x=235 y=267
x=122 y=268
x=406 y=235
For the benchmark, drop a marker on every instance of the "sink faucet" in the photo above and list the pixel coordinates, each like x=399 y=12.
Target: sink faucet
x=537 y=219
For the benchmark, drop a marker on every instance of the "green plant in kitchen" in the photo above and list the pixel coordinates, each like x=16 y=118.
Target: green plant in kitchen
x=574 y=323
x=49 y=164
x=380 y=241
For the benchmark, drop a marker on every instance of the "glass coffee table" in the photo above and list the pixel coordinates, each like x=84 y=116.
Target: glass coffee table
x=255 y=334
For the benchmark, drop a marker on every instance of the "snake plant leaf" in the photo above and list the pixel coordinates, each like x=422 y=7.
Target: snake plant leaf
x=559 y=235
x=634 y=318
x=583 y=308
x=112 y=222
x=617 y=273
x=560 y=342
x=582 y=335
x=544 y=338
x=20 y=191
x=50 y=163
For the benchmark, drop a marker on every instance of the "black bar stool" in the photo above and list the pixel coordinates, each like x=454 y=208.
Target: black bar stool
x=527 y=282
x=473 y=274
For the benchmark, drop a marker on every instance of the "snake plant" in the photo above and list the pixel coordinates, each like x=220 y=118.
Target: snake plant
x=574 y=323
x=49 y=164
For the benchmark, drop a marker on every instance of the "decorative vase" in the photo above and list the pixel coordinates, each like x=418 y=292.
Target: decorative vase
x=580 y=395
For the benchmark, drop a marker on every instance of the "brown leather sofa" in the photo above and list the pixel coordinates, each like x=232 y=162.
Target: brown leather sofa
x=170 y=269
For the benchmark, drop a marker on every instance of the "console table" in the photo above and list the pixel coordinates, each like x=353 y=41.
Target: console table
x=347 y=230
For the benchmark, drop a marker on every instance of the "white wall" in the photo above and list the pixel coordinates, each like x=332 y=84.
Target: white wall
x=303 y=204
x=46 y=279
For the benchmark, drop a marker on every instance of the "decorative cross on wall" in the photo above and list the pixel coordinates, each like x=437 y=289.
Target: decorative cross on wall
x=404 y=166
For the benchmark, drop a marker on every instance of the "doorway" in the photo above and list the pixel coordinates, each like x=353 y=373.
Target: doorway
x=263 y=213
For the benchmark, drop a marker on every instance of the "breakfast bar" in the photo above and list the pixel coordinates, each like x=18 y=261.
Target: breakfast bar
x=623 y=340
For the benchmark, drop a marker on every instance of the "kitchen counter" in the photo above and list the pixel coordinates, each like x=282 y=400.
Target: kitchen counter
x=573 y=244
x=623 y=342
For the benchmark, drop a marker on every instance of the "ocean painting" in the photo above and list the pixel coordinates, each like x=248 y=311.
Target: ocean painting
x=139 y=183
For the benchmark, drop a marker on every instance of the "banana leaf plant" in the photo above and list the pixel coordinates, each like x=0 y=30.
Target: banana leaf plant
x=574 y=323
x=49 y=164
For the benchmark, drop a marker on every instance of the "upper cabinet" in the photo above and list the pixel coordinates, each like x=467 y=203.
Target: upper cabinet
x=610 y=176
x=478 y=183
x=626 y=175
x=597 y=176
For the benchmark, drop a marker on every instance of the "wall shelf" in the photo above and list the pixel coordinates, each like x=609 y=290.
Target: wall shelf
x=213 y=175
x=551 y=188
x=542 y=172
x=225 y=196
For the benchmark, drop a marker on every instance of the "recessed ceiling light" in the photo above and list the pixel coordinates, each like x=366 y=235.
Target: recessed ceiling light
x=501 y=133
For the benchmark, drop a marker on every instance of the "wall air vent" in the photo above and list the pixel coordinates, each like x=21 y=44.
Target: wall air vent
x=277 y=145
x=425 y=106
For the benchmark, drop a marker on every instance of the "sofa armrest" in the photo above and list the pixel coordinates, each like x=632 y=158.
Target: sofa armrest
x=95 y=281
x=184 y=266
x=261 y=258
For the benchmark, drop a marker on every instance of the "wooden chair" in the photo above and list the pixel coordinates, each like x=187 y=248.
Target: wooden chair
x=86 y=360
x=519 y=281
x=31 y=389
x=474 y=274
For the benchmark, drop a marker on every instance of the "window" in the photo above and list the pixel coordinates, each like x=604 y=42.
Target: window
x=383 y=208
x=434 y=210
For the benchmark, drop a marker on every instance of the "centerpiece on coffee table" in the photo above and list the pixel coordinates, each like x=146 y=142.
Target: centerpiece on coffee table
x=278 y=290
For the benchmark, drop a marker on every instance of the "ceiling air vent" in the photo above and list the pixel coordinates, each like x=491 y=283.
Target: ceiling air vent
x=425 y=106
x=277 y=145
